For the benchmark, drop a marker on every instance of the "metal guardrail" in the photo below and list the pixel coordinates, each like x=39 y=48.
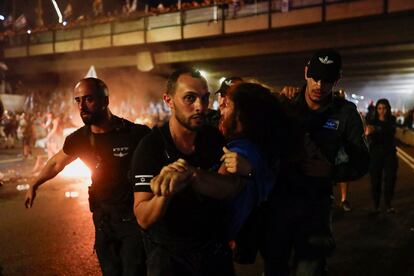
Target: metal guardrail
x=179 y=18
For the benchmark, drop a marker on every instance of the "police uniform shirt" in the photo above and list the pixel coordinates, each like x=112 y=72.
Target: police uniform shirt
x=190 y=218
x=108 y=155
x=337 y=128
x=335 y=132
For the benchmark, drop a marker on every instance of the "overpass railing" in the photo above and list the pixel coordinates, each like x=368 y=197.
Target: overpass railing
x=196 y=22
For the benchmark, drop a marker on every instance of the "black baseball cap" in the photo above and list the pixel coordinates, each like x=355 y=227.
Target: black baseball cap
x=325 y=65
x=226 y=83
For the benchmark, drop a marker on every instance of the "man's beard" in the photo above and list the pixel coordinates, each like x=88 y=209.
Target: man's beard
x=92 y=118
x=186 y=122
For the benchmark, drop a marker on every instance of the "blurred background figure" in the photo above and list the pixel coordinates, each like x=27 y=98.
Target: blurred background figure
x=9 y=124
x=25 y=133
x=54 y=138
x=343 y=186
x=383 y=157
x=409 y=119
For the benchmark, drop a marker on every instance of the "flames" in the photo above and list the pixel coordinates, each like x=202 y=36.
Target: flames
x=76 y=169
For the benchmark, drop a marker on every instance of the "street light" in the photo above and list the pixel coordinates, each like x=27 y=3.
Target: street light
x=59 y=14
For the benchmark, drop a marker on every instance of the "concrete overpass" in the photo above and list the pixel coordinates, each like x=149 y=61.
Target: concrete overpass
x=260 y=41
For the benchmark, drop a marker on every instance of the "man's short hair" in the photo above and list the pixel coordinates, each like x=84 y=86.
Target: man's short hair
x=172 y=79
x=98 y=84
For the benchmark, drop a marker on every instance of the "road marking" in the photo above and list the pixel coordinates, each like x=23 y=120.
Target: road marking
x=11 y=160
x=17 y=159
x=405 y=157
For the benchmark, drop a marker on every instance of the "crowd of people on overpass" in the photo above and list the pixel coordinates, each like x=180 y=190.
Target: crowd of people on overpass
x=98 y=11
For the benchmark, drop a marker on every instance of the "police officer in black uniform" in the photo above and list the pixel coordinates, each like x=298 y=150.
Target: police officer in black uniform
x=298 y=215
x=106 y=144
x=184 y=234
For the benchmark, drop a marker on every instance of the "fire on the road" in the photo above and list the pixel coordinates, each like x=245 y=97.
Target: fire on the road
x=76 y=169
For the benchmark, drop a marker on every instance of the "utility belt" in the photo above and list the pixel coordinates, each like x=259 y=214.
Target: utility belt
x=109 y=212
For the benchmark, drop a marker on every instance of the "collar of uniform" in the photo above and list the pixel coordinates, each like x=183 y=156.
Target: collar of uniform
x=170 y=142
x=301 y=102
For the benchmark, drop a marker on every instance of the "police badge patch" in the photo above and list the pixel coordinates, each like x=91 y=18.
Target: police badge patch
x=331 y=124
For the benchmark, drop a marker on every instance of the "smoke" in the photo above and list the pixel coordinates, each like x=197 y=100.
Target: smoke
x=397 y=88
x=130 y=91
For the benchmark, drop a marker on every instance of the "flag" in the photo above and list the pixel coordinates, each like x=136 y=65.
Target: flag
x=8 y=22
x=3 y=66
x=20 y=22
x=68 y=11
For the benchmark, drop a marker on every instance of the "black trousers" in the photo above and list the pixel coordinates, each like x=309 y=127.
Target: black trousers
x=298 y=237
x=182 y=260
x=383 y=169
x=118 y=244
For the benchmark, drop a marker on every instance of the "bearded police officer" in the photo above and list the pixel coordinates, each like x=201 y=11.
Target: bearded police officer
x=105 y=144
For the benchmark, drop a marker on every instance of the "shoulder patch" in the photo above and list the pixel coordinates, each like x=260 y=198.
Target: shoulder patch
x=143 y=180
x=331 y=124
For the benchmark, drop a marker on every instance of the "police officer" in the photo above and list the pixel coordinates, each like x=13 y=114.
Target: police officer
x=105 y=144
x=298 y=218
x=184 y=226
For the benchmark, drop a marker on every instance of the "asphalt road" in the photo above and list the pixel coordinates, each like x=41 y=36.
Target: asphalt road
x=55 y=237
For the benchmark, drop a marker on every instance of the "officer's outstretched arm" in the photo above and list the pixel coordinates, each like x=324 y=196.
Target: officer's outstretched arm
x=55 y=165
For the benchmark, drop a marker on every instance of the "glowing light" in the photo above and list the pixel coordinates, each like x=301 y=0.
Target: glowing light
x=59 y=14
x=64 y=23
x=23 y=187
x=29 y=31
x=76 y=169
x=203 y=73
x=357 y=97
x=2 y=17
x=71 y=194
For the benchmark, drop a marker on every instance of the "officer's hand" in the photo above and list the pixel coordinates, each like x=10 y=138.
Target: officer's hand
x=317 y=168
x=30 y=196
x=290 y=92
x=168 y=182
x=179 y=180
x=235 y=163
x=180 y=165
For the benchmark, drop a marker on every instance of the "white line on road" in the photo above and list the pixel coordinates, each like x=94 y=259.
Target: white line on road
x=405 y=157
x=11 y=160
